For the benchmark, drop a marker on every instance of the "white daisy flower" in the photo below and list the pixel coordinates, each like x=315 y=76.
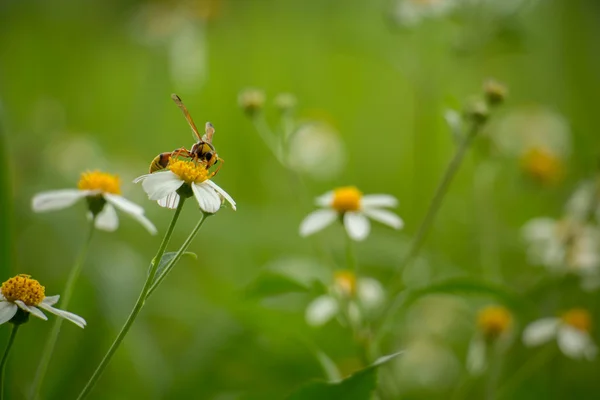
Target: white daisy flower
x=102 y=192
x=410 y=13
x=164 y=186
x=349 y=295
x=563 y=245
x=571 y=330
x=349 y=205
x=494 y=325
x=27 y=295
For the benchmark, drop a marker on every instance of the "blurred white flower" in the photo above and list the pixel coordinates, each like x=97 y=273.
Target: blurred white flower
x=584 y=202
x=349 y=205
x=26 y=294
x=103 y=193
x=571 y=330
x=563 y=245
x=539 y=137
x=411 y=12
x=350 y=297
x=494 y=325
x=163 y=186
x=316 y=149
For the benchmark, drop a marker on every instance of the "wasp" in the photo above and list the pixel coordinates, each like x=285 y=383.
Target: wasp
x=202 y=151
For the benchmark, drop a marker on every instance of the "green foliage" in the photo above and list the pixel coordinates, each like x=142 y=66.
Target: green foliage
x=358 y=386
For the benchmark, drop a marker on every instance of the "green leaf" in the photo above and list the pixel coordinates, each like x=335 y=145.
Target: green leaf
x=272 y=284
x=466 y=286
x=358 y=386
x=167 y=258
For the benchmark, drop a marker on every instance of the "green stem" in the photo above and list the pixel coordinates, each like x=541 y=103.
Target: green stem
x=11 y=340
x=180 y=252
x=351 y=262
x=434 y=206
x=532 y=365
x=138 y=305
x=65 y=299
x=265 y=133
x=438 y=197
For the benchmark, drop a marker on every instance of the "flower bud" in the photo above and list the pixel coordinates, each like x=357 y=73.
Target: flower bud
x=495 y=92
x=251 y=101
x=285 y=102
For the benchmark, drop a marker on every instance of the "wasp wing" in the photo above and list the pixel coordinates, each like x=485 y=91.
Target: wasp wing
x=209 y=130
x=187 y=116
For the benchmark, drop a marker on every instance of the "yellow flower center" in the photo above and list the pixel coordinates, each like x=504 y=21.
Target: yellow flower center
x=189 y=171
x=345 y=282
x=578 y=318
x=23 y=288
x=493 y=321
x=542 y=165
x=96 y=180
x=346 y=199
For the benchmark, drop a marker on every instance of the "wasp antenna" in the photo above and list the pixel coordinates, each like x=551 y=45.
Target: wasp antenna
x=209 y=126
x=176 y=98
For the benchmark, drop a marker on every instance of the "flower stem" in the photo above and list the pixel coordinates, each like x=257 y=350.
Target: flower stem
x=423 y=229
x=270 y=139
x=351 y=262
x=439 y=195
x=180 y=252
x=65 y=299
x=11 y=340
x=138 y=305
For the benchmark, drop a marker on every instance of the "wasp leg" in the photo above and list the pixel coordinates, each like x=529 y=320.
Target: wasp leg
x=221 y=161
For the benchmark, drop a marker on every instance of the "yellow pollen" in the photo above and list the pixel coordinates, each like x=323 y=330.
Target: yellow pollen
x=578 y=318
x=96 y=180
x=189 y=171
x=23 y=288
x=345 y=281
x=346 y=199
x=493 y=321
x=542 y=165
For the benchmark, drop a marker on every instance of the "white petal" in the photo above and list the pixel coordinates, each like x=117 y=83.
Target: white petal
x=476 y=356
x=38 y=313
x=385 y=217
x=370 y=292
x=357 y=225
x=207 y=198
x=56 y=199
x=379 y=200
x=76 y=319
x=107 y=220
x=51 y=300
x=146 y=223
x=160 y=184
x=325 y=200
x=316 y=221
x=32 y=310
x=223 y=193
x=123 y=204
x=171 y=201
x=7 y=311
x=141 y=178
x=572 y=341
x=540 y=331
x=539 y=229
x=321 y=310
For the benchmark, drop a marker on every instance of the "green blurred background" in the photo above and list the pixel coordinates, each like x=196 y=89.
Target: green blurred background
x=87 y=85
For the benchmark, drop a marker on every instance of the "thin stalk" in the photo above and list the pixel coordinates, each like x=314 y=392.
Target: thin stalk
x=270 y=139
x=11 y=340
x=180 y=252
x=66 y=298
x=425 y=226
x=532 y=365
x=138 y=305
x=351 y=262
x=438 y=197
